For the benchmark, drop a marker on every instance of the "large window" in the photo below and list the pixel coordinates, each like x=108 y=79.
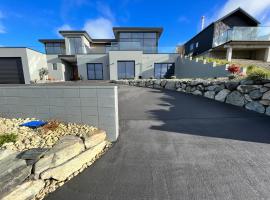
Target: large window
x=139 y=41
x=76 y=46
x=164 y=70
x=55 y=48
x=126 y=69
x=95 y=71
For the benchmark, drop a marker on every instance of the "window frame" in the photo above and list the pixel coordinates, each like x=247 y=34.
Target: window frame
x=125 y=61
x=94 y=71
x=167 y=66
x=54 y=67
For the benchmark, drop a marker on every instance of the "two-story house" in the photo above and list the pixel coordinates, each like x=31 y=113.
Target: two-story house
x=234 y=36
x=132 y=54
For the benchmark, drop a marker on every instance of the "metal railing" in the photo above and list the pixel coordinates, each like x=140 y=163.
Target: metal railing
x=243 y=34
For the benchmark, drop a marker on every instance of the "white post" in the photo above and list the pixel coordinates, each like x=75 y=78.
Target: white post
x=267 y=55
x=229 y=54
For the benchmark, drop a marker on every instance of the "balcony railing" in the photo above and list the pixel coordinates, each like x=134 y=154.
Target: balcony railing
x=131 y=46
x=243 y=34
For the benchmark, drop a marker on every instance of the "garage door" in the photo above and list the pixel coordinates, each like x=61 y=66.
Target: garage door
x=11 y=71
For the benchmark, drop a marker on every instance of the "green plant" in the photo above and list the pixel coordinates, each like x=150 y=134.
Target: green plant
x=257 y=73
x=7 y=138
x=43 y=72
x=173 y=77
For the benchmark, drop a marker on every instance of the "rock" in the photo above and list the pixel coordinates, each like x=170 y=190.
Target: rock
x=200 y=87
x=33 y=155
x=255 y=106
x=267 y=85
x=246 y=82
x=27 y=190
x=188 y=89
x=247 y=88
x=236 y=98
x=266 y=96
x=210 y=94
x=93 y=140
x=5 y=153
x=232 y=85
x=197 y=92
x=265 y=102
x=65 y=149
x=221 y=96
x=163 y=83
x=178 y=84
x=264 y=89
x=216 y=88
x=149 y=84
x=13 y=171
x=267 y=112
x=170 y=85
x=247 y=98
x=255 y=94
x=63 y=171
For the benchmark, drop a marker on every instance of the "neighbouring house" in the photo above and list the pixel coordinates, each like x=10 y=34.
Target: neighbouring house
x=234 y=36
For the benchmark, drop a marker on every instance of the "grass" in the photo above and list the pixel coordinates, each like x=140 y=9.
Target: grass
x=257 y=73
x=212 y=60
x=7 y=138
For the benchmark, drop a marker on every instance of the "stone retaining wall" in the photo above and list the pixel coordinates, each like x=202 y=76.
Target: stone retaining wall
x=253 y=95
x=36 y=172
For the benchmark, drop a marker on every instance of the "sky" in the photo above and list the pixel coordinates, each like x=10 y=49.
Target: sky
x=23 y=22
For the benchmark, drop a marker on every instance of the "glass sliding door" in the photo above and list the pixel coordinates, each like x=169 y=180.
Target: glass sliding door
x=95 y=71
x=126 y=69
x=164 y=70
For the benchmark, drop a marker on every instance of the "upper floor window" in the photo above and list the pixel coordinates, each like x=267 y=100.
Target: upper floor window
x=55 y=48
x=75 y=45
x=54 y=66
x=191 y=47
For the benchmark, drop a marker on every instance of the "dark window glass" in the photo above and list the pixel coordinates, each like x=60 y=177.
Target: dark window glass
x=54 y=66
x=126 y=69
x=125 y=35
x=164 y=70
x=95 y=71
x=55 y=48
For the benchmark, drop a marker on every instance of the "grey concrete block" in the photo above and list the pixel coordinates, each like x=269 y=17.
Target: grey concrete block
x=12 y=92
x=88 y=92
x=57 y=110
x=73 y=110
x=54 y=93
x=42 y=110
x=89 y=111
x=89 y=102
x=106 y=101
x=105 y=92
x=12 y=100
x=106 y=112
x=3 y=100
x=56 y=101
x=71 y=92
x=90 y=120
x=71 y=102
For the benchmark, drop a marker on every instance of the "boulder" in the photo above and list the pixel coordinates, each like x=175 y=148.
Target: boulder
x=267 y=85
x=247 y=88
x=221 y=96
x=33 y=155
x=63 y=171
x=247 y=98
x=246 y=82
x=5 y=153
x=178 y=84
x=210 y=94
x=236 y=98
x=94 y=139
x=232 y=85
x=188 y=89
x=200 y=87
x=216 y=88
x=255 y=94
x=13 y=171
x=170 y=85
x=266 y=96
x=264 y=89
x=163 y=83
x=255 y=106
x=66 y=148
x=265 y=102
x=197 y=92
x=267 y=112
x=149 y=84
x=27 y=190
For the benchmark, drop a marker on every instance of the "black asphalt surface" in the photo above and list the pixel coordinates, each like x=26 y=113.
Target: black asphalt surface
x=178 y=146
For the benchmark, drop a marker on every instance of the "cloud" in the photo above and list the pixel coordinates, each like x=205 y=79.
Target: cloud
x=2 y=27
x=258 y=9
x=64 y=27
x=105 y=10
x=183 y=19
x=99 y=28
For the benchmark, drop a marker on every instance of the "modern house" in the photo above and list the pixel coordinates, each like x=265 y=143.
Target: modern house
x=133 y=53
x=234 y=36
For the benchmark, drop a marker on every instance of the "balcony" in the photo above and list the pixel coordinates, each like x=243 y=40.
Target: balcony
x=243 y=34
x=131 y=46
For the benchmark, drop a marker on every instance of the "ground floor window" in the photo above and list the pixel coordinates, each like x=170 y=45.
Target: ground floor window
x=95 y=71
x=126 y=69
x=164 y=70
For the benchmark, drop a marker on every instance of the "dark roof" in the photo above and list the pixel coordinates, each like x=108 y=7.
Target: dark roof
x=101 y=41
x=76 y=32
x=51 y=40
x=116 y=30
x=224 y=17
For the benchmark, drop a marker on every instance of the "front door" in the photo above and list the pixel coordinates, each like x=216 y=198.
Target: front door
x=95 y=71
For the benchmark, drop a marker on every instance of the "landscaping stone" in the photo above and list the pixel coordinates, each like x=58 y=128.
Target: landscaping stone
x=246 y=82
x=216 y=88
x=63 y=171
x=13 y=171
x=232 y=85
x=255 y=94
x=93 y=140
x=65 y=149
x=267 y=85
x=221 y=96
x=247 y=98
x=266 y=96
x=247 y=88
x=265 y=102
x=25 y=191
x=264 y=89
x=267 y=112
x=33 y=155
x=255 y=106
x=170 y=85
x=210 y=94
x=197 y=92
x=236 y=98
x=163 y=83
x=5 y=153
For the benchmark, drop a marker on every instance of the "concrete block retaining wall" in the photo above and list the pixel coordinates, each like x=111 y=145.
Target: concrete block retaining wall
x=253 y=95
x=93 y=105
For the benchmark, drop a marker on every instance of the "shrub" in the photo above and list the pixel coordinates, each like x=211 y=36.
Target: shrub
x=257 y=73
x=43 y=72
x=7 y=138
x=173 y=77
x=234 y=69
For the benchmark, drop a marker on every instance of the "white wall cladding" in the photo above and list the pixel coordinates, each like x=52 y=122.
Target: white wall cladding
x=93 y=105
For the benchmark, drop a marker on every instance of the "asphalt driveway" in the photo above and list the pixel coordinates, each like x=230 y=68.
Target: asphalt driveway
x=179 y=146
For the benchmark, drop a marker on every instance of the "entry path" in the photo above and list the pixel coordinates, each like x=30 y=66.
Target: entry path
x=178 y=146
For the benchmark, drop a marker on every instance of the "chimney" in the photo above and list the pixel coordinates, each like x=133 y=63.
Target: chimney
x=203 y=19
